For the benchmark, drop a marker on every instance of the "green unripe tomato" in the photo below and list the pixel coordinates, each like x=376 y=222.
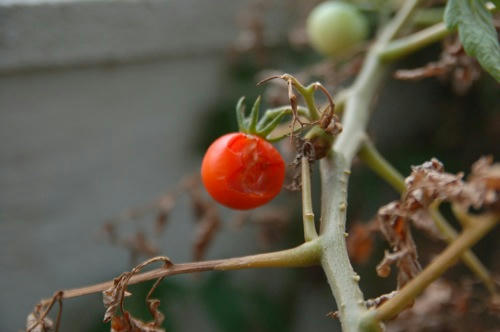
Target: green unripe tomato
x=335 y=27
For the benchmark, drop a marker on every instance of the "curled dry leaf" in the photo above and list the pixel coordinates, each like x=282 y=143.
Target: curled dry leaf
x=448 y=306
x=207 y=217
x=200 y=205
x=127 y=323
x=35 y=323
x=454 y=65
x=303 y=148
x=205 y=232
x=395 y=227
x=165 y=206
x=370 y=303
x=114 y=296
x=428 y=183
x=485 y=177
x=360 y=242
x=333 y=315
x=39 y=321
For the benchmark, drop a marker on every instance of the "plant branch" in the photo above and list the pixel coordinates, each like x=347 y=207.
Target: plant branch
x=372 y=158
x=414 y=42
x=481 y=226
x=428 y=16
x=307 y=254
x=335 y=169
x=469 y=258
x=307 y=211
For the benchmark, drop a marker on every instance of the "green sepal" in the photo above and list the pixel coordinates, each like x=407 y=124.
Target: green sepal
x=240 y=114
x=254 y=116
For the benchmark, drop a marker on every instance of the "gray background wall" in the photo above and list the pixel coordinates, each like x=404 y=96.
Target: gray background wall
x=95 y=102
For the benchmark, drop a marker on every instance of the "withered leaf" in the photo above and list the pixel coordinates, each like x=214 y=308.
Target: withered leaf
x=360 y=242
x=395 y=227
x=35 y=324
x=128 y=323
x=427 y=183
x=39 y=321
x=454 y=65
x=429 y=70
x=205 y=232
x=370 y=303
x=113 y=296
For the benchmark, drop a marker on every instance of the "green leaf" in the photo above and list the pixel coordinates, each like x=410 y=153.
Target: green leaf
x=476 y=32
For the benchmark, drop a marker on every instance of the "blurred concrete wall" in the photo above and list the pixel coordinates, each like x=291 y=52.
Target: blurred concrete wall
x=96 y=98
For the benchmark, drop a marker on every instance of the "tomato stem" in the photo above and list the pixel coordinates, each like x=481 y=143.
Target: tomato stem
x=335 y=170
x=307 y=210
x=307 y=254
x=272 y=118
x=407 y=45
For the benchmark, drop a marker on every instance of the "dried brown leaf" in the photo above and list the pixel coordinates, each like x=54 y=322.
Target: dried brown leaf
x=429 y=70
x=428 y=183
x=199 y=204
x=485 y=177
x=370 y=303
x=114 y=296
x=395 y=227
x=454 y=65
x=165 y=206
x=39 y=321
x=333 y=315
x=360 y=242
x=35 y=323
x=161 y=222
x=384 y=267
x=205 y=232
x=447 y=306
x=128 y=323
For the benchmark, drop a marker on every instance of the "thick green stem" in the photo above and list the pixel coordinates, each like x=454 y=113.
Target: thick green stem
x=307 y=211
x=436 y=268
x=335 y=169
x=371 y=157
x=335 y=261
x=428 y=16
x=307 y=254
x=407 y=45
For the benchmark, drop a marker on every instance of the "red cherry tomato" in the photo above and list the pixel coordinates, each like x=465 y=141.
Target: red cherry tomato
x=242 y=171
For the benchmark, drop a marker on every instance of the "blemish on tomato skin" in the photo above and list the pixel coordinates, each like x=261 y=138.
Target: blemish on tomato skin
x=252 y=174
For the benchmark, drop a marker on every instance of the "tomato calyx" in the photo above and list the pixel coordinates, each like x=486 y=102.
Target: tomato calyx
x=253 y=125
x=322 y=125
